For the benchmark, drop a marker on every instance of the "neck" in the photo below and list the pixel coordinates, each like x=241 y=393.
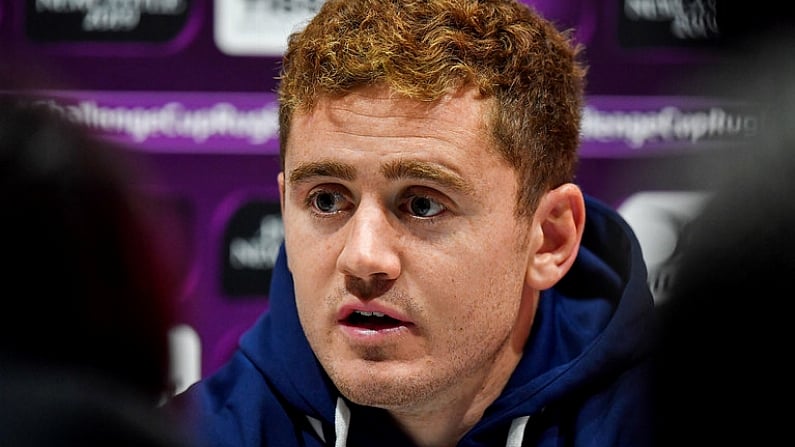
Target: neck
x=443 y=420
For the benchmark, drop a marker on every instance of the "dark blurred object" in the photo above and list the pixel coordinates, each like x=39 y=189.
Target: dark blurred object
x=89 y=299
x=742 y=22
x=724 y=376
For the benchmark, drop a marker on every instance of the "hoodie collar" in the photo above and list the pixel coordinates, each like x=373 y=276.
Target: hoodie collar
x=579 y=332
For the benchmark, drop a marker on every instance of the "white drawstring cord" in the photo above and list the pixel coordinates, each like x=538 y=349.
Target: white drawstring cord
x=342 y=420
x=318 y=427
x=516 y=433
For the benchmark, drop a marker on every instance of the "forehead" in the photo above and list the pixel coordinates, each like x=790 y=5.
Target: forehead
x=379 y=119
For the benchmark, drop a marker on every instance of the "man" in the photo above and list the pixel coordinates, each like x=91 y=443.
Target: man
x=433 y=290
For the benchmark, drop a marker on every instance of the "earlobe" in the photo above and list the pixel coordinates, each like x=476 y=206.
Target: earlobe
x=560 y=217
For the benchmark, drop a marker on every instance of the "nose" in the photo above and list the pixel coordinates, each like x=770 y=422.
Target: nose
x=371 y=245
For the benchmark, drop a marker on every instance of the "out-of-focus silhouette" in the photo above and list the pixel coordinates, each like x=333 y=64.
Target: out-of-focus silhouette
x=723 y=375
x=88 y=299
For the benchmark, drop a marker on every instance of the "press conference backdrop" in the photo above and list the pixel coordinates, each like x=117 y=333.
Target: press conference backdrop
x=189 y=85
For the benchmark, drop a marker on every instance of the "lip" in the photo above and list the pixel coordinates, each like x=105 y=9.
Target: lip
x=372 y=322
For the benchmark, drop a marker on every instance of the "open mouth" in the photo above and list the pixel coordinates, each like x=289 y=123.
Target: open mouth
x=374 y=321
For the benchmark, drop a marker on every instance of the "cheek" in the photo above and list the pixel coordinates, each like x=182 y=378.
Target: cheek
x=308 y=251
x=312 y=265
x=482 y=288
x=311 y=319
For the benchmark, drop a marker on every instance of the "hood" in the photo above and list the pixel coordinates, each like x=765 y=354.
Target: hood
x=591 y=327
x=579 y=336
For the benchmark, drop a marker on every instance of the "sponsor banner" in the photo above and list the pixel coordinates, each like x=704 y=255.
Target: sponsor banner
x=631 y=126
x=668 y=23
x=660 y=220
x=261 y=27
x=173 y=121
x=105 y=21
x=219 y=122
x=251 y=240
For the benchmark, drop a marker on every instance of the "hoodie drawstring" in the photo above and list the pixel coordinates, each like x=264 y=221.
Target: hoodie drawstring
x=342 y=420
x=516 y=432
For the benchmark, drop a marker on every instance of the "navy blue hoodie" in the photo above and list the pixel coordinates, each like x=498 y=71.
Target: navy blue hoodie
x=582 y=381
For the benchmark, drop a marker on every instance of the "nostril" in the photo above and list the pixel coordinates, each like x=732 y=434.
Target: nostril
x=368 y=288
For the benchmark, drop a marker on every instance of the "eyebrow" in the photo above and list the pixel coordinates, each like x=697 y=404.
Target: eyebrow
x=324 y=168
x=394 y=170
x=423 y=170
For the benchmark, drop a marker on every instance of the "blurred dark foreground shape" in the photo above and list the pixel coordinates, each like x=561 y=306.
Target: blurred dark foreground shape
x=724 y=372
x=88 y=298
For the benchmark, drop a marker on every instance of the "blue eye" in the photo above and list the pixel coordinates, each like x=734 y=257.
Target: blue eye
x=424 y=206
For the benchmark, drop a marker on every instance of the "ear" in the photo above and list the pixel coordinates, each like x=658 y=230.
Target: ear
x=280 y=180
x=559 y=222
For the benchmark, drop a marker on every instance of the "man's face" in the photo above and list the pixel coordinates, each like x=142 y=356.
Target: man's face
x=408 y=259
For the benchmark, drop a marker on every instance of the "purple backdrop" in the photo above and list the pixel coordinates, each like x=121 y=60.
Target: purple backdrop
x=189 y=85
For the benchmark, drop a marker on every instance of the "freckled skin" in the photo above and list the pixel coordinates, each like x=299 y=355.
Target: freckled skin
x=459 y=277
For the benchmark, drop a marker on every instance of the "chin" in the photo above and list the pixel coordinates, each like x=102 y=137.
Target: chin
x=387 y=388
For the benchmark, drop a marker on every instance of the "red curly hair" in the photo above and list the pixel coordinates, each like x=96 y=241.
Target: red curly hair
x=425 y=49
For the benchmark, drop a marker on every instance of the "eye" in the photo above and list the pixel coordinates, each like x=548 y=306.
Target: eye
x=422 y=206
x=327 y=202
